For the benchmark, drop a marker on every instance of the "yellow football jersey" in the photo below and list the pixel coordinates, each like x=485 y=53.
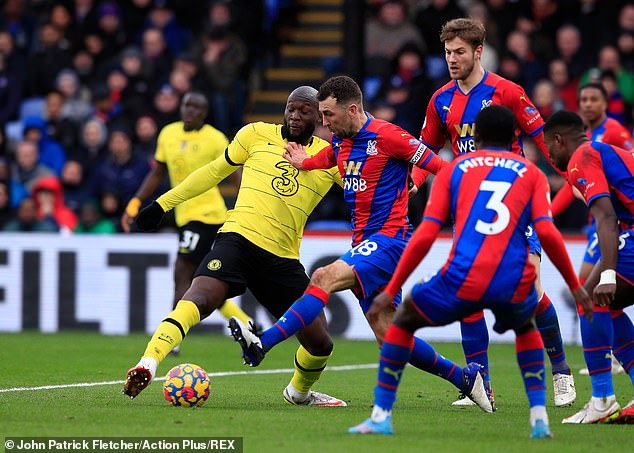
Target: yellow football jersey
x=275 y=199
x=185 y=151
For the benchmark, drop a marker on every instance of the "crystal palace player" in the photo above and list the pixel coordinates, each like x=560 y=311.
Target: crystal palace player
x=604 y=175
x=373 y=157
x=451 y=114
x=492 y=196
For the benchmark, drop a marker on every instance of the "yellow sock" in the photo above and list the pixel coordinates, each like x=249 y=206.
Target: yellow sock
x=308 y=368
x=172 y=330
x=229 y=309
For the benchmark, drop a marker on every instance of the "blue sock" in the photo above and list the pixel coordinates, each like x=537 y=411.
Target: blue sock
x=425 y=358
x=301 y=314
x=623 y=347
x=548 y=325
x=597 y=348
x=475 y=341
x=395 y=352
x=529 y=348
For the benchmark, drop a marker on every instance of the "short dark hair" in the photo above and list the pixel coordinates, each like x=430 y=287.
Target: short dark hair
x=343 y=88
x=495 y=124
x=596 y=86
x=468 y=29
x=564 y=121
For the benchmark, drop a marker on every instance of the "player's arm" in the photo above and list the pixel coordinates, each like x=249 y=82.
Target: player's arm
x=562 y=200
x=149 y=185
x=436 y=213
x=433 y=136
x=297 y=156
x=590 y=180
x=552 y=241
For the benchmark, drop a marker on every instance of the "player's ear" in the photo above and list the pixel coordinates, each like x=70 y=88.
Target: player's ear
x=478 y=52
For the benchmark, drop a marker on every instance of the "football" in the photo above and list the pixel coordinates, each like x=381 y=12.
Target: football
x=186 y=385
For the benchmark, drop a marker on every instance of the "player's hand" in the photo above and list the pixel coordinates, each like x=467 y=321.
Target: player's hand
x=131 y=211
x=295 y=154
x=604 y=294
x=583 y=299
x=379 y=305
x=412 y=189
x=150 y=217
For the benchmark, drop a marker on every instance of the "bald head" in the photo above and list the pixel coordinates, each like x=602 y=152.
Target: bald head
x=304 y=93
x=301 y=114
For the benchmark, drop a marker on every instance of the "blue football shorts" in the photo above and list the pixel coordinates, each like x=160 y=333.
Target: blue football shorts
x=593 y=252
x=625 y=262
x=535 y=248
x=373 y=261
x=436 y=300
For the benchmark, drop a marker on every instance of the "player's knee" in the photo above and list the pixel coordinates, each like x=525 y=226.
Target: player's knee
x=320 y=278
x=205 y=295
x=320 y=347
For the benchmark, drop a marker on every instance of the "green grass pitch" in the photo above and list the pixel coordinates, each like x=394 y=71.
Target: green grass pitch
x=251 y=406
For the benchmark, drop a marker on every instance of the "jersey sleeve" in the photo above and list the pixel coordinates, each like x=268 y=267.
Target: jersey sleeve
x=526 y=114
x=540 y=199
x=324 y=159
x=432 y=134
x=618 y=137
x=588 y=177
x=238 y=150
x=402 y=145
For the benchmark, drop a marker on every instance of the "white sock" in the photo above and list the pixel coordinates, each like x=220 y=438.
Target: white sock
x=603 y=403
x=538 y=413
x=149 y=363
x=295 y=394
x=379 y=414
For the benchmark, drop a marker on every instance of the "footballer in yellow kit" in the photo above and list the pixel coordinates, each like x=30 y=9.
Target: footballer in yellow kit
x=182 y=148
x=258 y=246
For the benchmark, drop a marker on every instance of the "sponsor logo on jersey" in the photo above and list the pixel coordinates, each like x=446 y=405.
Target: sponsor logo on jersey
x=351 y=167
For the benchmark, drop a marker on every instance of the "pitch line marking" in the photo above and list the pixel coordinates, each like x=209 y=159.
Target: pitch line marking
x=364 y=366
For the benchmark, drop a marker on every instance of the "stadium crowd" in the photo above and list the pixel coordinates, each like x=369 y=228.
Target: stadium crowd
x=86 y=85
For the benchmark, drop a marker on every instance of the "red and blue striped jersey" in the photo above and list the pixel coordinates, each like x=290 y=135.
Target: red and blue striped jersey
x=451 y=113
x=602 y=170
x=612 y=132
x=374 y=167
x=492 y=195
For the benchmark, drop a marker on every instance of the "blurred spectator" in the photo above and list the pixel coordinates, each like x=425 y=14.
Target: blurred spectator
x=110 y=28
x=50 y=151
x=531 y=69
x=625 y=44
x=510 y=68
x=61 y=18
x=188 y=63
x=179 y=80
x=75 y=186
x=155 y=53
x=505 y=15
x=91 y=220
x=26 y=169
x=121 y=168
x=76 y=106
x=49 y=204
x=5 y=203
x=565 y=86
x=52 y=54
x=84 y=65
x=15 y=61
x=490 y=53
x=545 y=98
x=616 y=102
x=85 y=16
x=105 y=107
x=92 y=144
x=14 y=17
x=110 y=205
x=17 y=191
x=385 y=34
x=145 y=132
x=162 y=18
x=137 y=91
x=224 y=58
x=25 y=220
x=407 y=89
x=61 y=129
x=10 y=92
x=166 y=104
x=609 y=60
x=570 y=51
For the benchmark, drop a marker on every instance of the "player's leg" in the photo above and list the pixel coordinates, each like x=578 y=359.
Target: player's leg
x=199 y=301
x=597 y=338
x=475 y=345
x=548 y=325
x=336 y=276
x=396 y=351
